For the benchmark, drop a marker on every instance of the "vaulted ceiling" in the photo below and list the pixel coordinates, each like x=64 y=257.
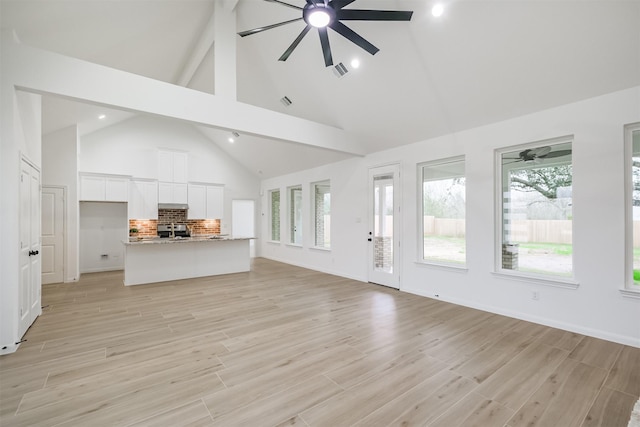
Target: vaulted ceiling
x=479 y=63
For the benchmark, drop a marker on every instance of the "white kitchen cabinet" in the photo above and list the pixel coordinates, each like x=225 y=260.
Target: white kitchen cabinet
x=104 y=188
x=172 y=166
x=143 y=199
x=205 y=201
x=172 y=192
x=215 y=201
x=197 y=195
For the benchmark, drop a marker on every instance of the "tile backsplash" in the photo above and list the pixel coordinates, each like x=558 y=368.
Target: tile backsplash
x=149 y=227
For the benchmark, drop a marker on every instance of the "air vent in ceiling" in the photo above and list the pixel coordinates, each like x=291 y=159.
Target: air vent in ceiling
x=286 y=101
x=340 y=70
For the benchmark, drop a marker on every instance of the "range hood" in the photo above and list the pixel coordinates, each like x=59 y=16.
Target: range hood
x=182 y=206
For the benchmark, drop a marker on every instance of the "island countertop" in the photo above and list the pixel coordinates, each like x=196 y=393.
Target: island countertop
x=168 y=240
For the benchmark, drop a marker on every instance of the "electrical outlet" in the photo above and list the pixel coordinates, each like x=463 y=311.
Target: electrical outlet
x=535 y=295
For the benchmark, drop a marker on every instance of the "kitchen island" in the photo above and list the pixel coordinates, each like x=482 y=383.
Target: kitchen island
x=163 y=259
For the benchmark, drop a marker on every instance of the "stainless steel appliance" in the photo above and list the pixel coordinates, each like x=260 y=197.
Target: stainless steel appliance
x=173 y=230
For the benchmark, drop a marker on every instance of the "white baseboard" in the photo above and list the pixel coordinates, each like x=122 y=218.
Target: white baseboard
x=596 y=333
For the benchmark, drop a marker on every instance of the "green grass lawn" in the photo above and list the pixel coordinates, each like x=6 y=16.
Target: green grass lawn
x=552 y=248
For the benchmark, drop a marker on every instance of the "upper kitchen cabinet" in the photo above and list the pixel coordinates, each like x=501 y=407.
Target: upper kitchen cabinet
x=143 y=199
x=205 y=201
x=172 y=166
x=172 y=192
x=104 y=188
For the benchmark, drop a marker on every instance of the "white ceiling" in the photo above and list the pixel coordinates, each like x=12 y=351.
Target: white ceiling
x=481 y=62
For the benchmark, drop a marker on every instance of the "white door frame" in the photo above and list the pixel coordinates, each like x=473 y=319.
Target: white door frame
x=377 y=275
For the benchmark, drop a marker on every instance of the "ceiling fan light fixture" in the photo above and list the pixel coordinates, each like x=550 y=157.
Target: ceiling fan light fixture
x=319 y=18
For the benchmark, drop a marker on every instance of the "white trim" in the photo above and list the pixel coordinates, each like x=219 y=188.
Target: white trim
x=312 y=217
x=557 y=282
x=499 y=214
x=270 y=214
x=630 y=293
x=628 y=205
x=319 y=248
x=293 y=245
x=420 y=205
x=461 y=268
x=596 y=333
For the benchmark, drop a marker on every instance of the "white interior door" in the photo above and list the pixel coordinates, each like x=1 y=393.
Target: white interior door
x=243 y=221
x=52 y=251
x=30 y=269
x=383 y=238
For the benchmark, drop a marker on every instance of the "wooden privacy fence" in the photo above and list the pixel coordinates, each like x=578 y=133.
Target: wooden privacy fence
x=539 y=231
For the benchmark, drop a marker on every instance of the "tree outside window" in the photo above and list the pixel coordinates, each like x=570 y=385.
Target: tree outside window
x=536 y=209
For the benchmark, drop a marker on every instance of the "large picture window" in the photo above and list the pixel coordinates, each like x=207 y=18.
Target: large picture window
x=632 y=157
x=295 y=215
x=443 y=211
x=274 y=202
x=322 y=214
x=536 y=209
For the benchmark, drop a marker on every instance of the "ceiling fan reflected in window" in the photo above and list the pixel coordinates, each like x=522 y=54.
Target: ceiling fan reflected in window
x=533 y=154
x=323 y=14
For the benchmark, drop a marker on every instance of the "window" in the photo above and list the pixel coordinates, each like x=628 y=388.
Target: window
x=536 y=209
x=322 y=214
x=632 y=171
x=295 y=215
x=274 y=202
x=443 y=211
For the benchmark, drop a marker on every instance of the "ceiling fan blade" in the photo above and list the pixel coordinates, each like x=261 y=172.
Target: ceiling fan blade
x=284 y=4
x=373 y=15
x=326 y=49
x=349 y=34
x=558 y=153
x=268 y=27
x=295 y=43
x=339 y=4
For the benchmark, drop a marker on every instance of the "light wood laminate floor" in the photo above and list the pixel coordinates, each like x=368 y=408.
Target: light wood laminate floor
x=282 y=346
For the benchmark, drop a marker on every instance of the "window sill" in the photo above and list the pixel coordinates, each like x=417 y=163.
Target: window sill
x=273 y=242
x=554 y=282
x=630 y=293
x=461 y=268
x=293 y=245
x=319 y=248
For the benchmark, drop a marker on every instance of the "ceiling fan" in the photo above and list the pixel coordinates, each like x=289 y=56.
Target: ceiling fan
x=329 y=13
x=532 y=154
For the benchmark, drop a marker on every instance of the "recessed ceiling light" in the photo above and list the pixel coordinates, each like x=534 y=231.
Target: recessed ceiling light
x=231 y=140
x=355 y=63
x=102 y=116
x=437 y=10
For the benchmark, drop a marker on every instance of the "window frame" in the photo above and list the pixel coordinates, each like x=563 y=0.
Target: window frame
x=290 y=216
x=630 y=288
x=314 y=212
x=420 y=205
x=539 y=278
x=271 y=215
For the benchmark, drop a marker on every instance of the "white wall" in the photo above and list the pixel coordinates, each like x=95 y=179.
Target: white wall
x=103 y=227
x=596 y=307
x=130 y=148
x=59 y=167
